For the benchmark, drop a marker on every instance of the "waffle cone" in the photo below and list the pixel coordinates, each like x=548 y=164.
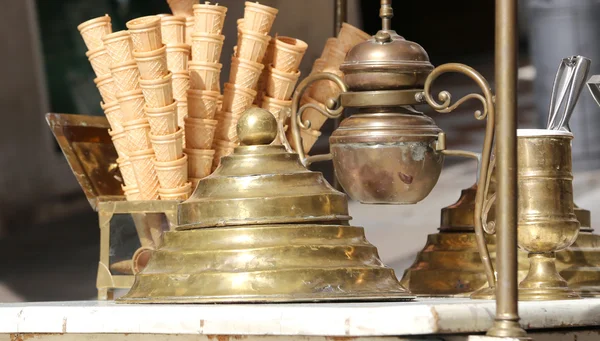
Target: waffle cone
x=158 y=92
x=182 y=7
x=330 y=44
x=209 y=18
x=137 y=135
x=207 y=47
x=351 y=36
x=288 y=53
x=259 y=98
x=269 y=53
x=120 y=142
x=100 y=61
x=220 y=103
x=177 y=57
x=168 y=147
x=276 y=106
x=199 y=132
x=114 y=115
x=194 y=181
x=172 y=30
x=309 y=138
x=182 y=112
x=318 y=65
x=106 y=87
x=314 y=116
x=132 y=193
x=237 y=99
x=204 y=76
x=202 y=103
x=199 y=162
x=227 y=127
x=245 y=73
x=177 y=194
x=119 y=47
x=163 y=121
x=126 y=76
x=132 y=105
x=259 y=18
x=181 y=84
x=92 y=31
x=280 y=84
x=153 y=64
x=222 y=148
x=145 y=33
x=325 y=89
x=172 y=174
x=252 y=46
x=189 y=29
x=142 y=162
x=127 y=172
x=336 y=57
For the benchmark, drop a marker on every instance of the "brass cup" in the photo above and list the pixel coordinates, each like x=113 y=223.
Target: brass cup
x=546 y=217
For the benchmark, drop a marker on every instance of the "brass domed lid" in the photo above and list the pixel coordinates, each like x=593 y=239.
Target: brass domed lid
x=261 y=184
x=387 y=61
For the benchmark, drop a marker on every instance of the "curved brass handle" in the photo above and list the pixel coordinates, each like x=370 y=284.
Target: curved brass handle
x=487 y=100
x=333 y=109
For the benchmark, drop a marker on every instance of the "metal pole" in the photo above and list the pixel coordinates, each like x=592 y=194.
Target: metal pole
x=506 y=323
x=341 y=16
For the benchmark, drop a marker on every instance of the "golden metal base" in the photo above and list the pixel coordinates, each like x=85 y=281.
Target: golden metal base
x=266 y=263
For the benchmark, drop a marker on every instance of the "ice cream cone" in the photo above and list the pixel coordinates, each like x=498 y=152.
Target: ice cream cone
x=181 y=84
x=189 y=29
x=119 y=47
x=227 y=127
x=330 y=44
x=326 y=89
x=199 y=133
x=106 y=87
x=167 y=147
x=126 y=76
x=318 y=65
x=202 y=103
x=309 y=138
x=194 y=181
x=206 y=47
x=222 y=148
x=276 y=106
x=336 y=57
x=259 y=18
x=245 y=73
x=269 y=53
x=204 y=76
x=142 y=162
x=182 y=112
x=288 y=53
x=152 y=64
x=145 y=33
x=132 y=105
x=120 y=142
x=314 y=116
x=172 y=174
x=280 y=84
x=137 y=135
x=177 y=57
x=182 y=7
x=93 y=30
x=132 y=193
x=259 y=98
x=158 y=92
x=178 y=194
x=163 y=121
x=209 y=18
x=237 y=99
x=172 y=30
x=199 y=162
x=114 y=115
x=351 y=36
x=100 y=61
x=220 y=103
x=127 y=172
x=252 y=45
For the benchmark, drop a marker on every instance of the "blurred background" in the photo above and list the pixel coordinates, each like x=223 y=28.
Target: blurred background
x=49 y=236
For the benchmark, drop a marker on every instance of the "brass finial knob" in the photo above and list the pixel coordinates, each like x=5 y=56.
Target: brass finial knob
x=257 y=127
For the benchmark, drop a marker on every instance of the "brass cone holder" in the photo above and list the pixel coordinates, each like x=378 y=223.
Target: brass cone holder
x=263 y=228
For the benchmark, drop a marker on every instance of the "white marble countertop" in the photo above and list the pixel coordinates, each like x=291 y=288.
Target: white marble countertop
x=423 y=317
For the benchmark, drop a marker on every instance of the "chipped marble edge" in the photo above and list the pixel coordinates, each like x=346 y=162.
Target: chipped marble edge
x=425 y=317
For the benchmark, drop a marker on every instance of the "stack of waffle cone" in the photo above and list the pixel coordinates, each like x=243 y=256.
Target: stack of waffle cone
x=332 y=57
x=202 y=90
x=155 y=139
x=240 y=91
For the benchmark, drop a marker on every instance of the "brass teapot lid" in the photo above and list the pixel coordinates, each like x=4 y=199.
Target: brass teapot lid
x=387 y=61
x=261 y=184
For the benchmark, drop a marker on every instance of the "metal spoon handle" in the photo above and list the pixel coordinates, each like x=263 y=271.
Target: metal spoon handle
x=567 y=88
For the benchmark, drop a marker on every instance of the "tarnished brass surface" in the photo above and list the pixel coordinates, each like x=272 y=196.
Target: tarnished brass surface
x=90 y=153
x=388 y=98
x=243 y=252
x=266 y=263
